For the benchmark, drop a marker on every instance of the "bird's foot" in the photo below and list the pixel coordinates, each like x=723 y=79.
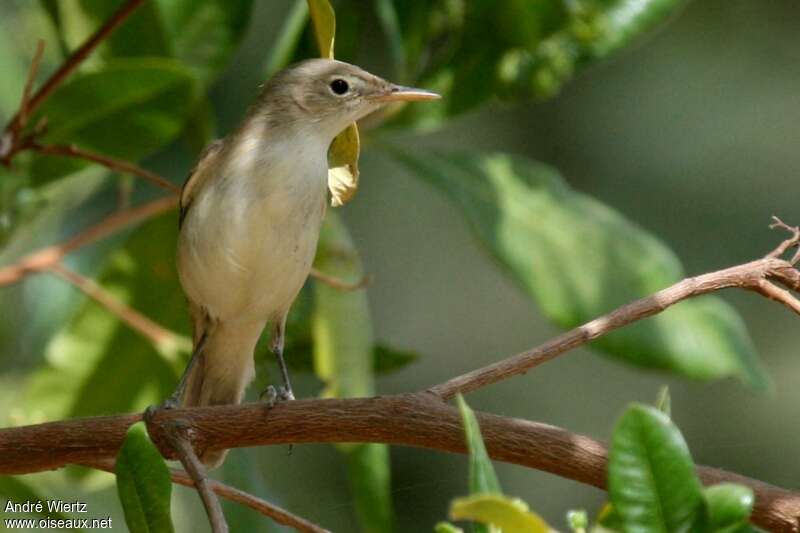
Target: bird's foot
x=272 y=396
x=173 y=402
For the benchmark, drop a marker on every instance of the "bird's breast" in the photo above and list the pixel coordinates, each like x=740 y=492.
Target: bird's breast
x=248 y=243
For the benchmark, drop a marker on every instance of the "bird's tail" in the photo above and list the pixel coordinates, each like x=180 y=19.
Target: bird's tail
x=222 y=372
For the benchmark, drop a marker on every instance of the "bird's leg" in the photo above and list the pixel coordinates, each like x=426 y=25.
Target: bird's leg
x=175 y=398
x=285 y=392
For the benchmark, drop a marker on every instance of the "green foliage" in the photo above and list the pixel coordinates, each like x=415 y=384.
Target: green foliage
x=143 y=99
x=86 y=374
x=577 y=520
x=457 y=50
x=14 y=489
x=533 y=224
x=728 y=506
x=510 y=515
x=664 y=401
x=143 y=484
x=344 y=361
x=146 y=86
x=653 y=485
x=482 y=478
x=651 y=478
x=201 y=35
x=491 y=511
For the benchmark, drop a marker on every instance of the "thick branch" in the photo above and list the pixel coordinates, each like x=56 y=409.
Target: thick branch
x=419 y=420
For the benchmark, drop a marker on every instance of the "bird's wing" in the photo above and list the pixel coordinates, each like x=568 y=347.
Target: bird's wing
x=197 y=177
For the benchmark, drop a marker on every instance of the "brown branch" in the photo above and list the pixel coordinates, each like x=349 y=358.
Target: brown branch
x=177 y=433
x=757 y=276
x=148 y=329
x=419 y=420
x=337 y=283
x=52 y=255
x=11 y=141
x=69 y=150
x=278 y=514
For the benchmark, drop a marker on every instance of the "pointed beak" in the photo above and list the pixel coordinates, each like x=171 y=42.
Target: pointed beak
x=398 y=93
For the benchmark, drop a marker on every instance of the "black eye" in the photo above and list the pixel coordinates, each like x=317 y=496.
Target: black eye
x=339 y=86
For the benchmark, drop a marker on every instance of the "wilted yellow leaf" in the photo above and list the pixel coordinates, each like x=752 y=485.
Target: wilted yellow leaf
x=324 y=21
x=345 y=148
x=511 y=515
x=343 y=166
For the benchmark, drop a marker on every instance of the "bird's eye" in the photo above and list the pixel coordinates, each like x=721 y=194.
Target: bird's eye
x=339 y=86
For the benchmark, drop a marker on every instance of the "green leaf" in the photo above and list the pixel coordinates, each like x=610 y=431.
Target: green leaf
x=446 y=527
x=389 y=360
x=579 y=259
x=482 y=478
x=664 y=402
x=369 y=474
x=238 y=471
x=651 y=478
x=16 y=490
x=511 y=515
x=201 y=34
x=288 y=38
x=578 y=520
x=343 y=360
x=128 y=110
x=91 y=359
x=729 y=505
x=205 y=34
x=623 y=21
x=387 y=16
x=608 y=518
x=143 y=484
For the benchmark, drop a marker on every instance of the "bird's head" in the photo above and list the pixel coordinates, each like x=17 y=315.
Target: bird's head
x=328 y=95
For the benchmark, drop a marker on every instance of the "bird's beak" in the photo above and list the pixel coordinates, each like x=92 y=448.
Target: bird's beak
x=398 y=93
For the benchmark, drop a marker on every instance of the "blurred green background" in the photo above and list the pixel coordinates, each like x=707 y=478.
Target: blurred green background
x=691 y=133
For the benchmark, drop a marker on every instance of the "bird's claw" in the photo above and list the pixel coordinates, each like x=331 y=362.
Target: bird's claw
x=170 y=403
x=272 y=396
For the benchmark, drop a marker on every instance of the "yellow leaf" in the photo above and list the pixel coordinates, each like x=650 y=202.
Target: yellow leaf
x=511 y=515
x=324 y=21
x=343 y=166
x=344 y=150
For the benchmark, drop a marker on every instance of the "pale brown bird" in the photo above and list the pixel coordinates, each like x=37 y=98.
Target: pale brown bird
x=250 y=217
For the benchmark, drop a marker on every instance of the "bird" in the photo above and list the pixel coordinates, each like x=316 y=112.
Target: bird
x=250 y=217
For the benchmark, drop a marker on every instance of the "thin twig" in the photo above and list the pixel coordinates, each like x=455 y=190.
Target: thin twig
x=337 y=283
x=270 y=510
x=70 y=150
x=45 y=258
x=24 y=105
x=177 y=431
x=751 y=276
x=148 y=329
x=264 y=507
x=17 y=123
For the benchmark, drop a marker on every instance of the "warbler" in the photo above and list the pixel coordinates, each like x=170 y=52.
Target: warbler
x=250 y=217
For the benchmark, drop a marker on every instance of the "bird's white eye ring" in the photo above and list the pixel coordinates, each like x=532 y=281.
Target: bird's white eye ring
x=339 y=87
